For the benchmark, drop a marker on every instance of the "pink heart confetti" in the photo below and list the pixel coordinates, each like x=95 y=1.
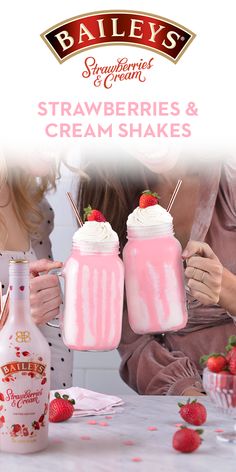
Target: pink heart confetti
x=219 y=430
x=85 y=438
x=103 y=423
x=136 y=459
x=109 y=417
x=91 y=422
x=152 y=428
x=129 y=442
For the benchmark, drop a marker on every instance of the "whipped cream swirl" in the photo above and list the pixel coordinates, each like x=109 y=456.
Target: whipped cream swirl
x=95 y=231
x=150 y=216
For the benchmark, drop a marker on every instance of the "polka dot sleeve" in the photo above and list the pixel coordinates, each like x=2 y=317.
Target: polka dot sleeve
x=41 y=242
x=61 y=356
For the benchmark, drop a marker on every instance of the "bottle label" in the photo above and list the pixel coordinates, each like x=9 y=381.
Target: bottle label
x=23 y=337
x=27 y=397
x=13 y=367
x=24 y=394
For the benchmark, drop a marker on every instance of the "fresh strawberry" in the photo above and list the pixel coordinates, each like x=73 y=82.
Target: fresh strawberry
x=193 y=412
x=148 y=198
x=231 y=356
x=232 y=364
x=61 y=408
x=2 y=397
x=93 y=215
x=214 y=362
x=187 y=440
x=230 y=353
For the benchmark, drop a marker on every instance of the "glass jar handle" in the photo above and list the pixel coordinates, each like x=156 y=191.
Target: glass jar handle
x=59 y=273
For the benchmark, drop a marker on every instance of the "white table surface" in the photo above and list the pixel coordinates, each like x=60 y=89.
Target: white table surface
x=68 y=451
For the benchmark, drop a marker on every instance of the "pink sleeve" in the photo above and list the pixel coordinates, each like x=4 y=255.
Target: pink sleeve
x=150 y=369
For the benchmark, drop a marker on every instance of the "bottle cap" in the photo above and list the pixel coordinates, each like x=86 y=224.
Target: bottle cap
x=19 y=261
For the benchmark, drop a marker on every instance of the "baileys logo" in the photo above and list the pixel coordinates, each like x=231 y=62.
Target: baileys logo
x=131 y=28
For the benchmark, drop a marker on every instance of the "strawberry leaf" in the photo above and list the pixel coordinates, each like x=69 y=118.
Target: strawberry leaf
x=203 y=359
x=87 y=212
x=148 y=192
x=228 y=347
x=199 y=431
x=57 y=395
x=231 y=343
x=232 y=340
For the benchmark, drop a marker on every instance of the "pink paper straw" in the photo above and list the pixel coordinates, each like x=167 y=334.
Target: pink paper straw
x=75 y=209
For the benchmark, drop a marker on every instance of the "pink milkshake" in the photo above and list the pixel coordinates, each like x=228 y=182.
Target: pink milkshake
x=94 y=285
x=153 y=272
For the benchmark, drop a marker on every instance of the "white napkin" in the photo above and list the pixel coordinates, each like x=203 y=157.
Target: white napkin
x=89 y=403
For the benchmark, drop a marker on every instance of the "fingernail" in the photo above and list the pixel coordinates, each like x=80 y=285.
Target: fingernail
x=184 y=254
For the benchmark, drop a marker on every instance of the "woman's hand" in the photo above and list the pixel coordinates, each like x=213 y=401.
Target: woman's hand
x=204 y=272
x=45 y=293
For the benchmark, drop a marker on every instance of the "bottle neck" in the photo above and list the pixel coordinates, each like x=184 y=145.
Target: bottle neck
x=99 y=248
x=149 y=232
x=19 y=293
